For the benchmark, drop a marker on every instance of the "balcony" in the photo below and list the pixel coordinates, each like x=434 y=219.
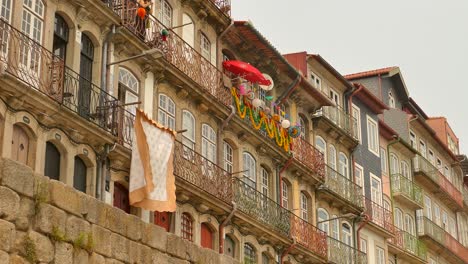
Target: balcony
x=380 y=218
x=272 y=216
x=431 y=177
x=340 y=253
x=439 y=240
x=406 y=192
x=307 y=155
x=224 y=6
x=338 y=124
x=341 y=191
x=176 y=51
x=203 y=174
x=408 y=247
x=38 y=69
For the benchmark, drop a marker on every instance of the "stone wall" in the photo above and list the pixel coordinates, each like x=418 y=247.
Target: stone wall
x=46 y=221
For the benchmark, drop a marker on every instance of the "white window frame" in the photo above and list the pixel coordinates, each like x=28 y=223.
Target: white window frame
x=346 y=237
x=383 y=160
x=319 y=148
x=285 y=195
x=343 y=165
x=166 y=13
x=356 y=113
x=209 y=143
x=422 y=150
x=378 y=199
x=359 y=170
x=413 y=139
x=332 y=156
x=431 y=156
x=445 y=220
x=316 y=81
x=189 y=123
x=335 y=227
x=373 y=136
x=437 y=218
x=228 y=155
x=427 y=207
x=205 y=47
x=379 y=255
x=304 y=207
x=265 y=181
x=399 y=218
x=364 y=245
x=325 y=226
x=249 y=165
x=391 y=99
x=166 y=112
x=409 y=224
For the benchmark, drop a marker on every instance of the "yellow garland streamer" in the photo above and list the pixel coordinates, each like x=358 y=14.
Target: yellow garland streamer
x=282 y=137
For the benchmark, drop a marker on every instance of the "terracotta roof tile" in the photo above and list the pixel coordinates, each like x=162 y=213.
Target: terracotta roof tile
x=369 y=73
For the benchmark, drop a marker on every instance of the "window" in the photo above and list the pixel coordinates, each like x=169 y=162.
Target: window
x=86 y=76
x=431 y=156
x=5 y=10
x=32 y=21
x=166 y=111
x=304 y=207
x=346 y=234
x=335 y=97
x=428 y=207
x=265 y=259
x=398 y=218
x=188 y=31
x=209 y=143
x=356 y=113
x=166 y=14
x=335 y=232
x=394 y=168
x=315 y=80
x=444 y=220
x=60 y=37
x=188 y=137
x=128 y=89
x=228 y=157
x=322 y=216
x=413 y=139
x=343 y=166
x=386 y=205
x=187 y=231
x=379 y=255
x=229 y=247
x=409 y=224
x=265 y=182
x=303 y=126
x=376 y=190
x=250 y=169
x=332 y=156
x=249 y=254
x=405 y=170
x=79 y=175
x=284 y=194
x=206 y=236
x=422 y=148
x=321 y=145
x=432 y=261
x=359 y=177
x=363 y=245
x=383 y=159
x=391 y=100
x=205 y=47
x=52 y=161
x=372 y=136
x=437 y=214
x=452 y=227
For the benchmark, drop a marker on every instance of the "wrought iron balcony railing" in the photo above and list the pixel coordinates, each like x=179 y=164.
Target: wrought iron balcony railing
x=202 y=173
x=309 y=156
x=403 y=186
x=409 y=243
x=379 y=215
x=38 y=68
x=341 y=253
x=175 y=50
x=422 y=165
x=343 y=187
x=224 y=6
x=340 y=118
x=271 y=214
x=428 y=228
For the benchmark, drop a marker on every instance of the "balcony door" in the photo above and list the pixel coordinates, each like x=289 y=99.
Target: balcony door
x=86 y=76
x=376 y=190
x=334 y=114
x=163 y=219
x=31 y=25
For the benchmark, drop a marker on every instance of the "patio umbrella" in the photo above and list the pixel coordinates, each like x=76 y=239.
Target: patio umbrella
x=245 y=71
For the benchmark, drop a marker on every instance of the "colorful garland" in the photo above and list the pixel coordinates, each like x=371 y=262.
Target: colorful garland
x=261 y=121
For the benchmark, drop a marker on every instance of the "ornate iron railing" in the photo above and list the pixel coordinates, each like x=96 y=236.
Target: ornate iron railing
x=343 y=187
x=175 y=50
x=409 y=243
x=403 y=186
x=309 y=236
x=309 y=156
x=340 y=118
x=341 y=253
x=39 y=69
x=379 y=215
x=428 y=228
x=224 y=6
x=424 y=166
x=202 y=173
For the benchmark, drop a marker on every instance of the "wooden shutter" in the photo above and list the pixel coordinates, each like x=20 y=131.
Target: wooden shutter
x=163 y=219
x=121 y=197
x=52 y=162
x=20 y=145
x=206 y=236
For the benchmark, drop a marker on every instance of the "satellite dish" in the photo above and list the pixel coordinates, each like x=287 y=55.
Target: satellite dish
x=267 y=87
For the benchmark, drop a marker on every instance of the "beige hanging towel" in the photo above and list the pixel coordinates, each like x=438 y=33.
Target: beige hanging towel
x=152 y=182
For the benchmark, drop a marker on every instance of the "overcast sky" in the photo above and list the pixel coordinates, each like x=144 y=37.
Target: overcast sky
x=427 y=39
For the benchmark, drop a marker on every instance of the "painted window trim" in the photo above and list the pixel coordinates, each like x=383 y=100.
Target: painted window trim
x=363 y=187
x=358 y=120
x=376 y=135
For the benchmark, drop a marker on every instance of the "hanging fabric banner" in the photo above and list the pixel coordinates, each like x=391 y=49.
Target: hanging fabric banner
x=152 y=181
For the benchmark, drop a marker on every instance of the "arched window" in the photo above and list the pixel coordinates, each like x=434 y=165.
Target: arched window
x=346 y=236
x=249 y=254
x=60 y=37
x=228 y=157
x=265 y=182
x=207 y=240
x=332 y=156
x=405 y=170
x=265 y=258
x=335 y=227
x=322 y=220
x=166 y=111
x=31 y=25
x=304 y=206
x=285 y=194
x=391 y=99
x=399 y=218
x=250 y=169
x=188 y=137
x=52 y=161
x=229 y=246
x=343 y=166
x=188 y=31
x=187 y=226
x=20 y=145
x=303 y=126
x=86 y=76
x=166 y=13
x=409 y=224
x=394 y=168
x=128 y=89
x=209 y=143
x=205 y=47
x=79 y=175
x=321 y=145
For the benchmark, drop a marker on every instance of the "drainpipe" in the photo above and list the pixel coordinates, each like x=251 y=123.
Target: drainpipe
x=221 y=228
x=286 y=252
x=290 y=89
x=218 y=40
x=288 y=163
x=107 y=149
